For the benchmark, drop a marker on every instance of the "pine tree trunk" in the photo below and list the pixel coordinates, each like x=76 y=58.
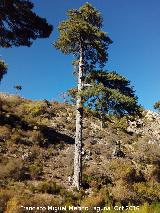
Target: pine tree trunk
x=77 y=179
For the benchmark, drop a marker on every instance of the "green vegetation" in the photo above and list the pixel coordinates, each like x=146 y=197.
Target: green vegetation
x=157 y=105
x=111 y=93
x=108 y=93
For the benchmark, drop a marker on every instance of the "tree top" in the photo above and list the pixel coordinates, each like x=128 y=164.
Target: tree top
x=83 y=29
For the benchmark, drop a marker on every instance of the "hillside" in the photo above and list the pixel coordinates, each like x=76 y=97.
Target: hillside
x=121 y=162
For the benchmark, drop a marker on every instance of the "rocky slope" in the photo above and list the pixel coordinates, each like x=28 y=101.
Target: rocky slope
x=37 y=149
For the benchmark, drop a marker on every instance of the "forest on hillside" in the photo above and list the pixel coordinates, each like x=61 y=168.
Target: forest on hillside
x=99 y=149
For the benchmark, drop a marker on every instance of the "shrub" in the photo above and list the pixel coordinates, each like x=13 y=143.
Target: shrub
x=95 y=181
x=47 y=187
x=122 y=192
x=13 y=205
x=14 y=169
x=5 y=195
x=156 y=173
x=146 y=208
x=119 y=168
x=16 y=137
x=69 y=198
x=37 y=137
x=147 y=191
x=5 y=133
x=35 y=170
x=121 y=123
x=94 y=200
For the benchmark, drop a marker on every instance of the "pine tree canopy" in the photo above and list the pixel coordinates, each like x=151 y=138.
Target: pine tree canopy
x=18 y=87
x=113 y=93
x=110 y=92
x=19 y=25
x=82 y=29
x=3 y=69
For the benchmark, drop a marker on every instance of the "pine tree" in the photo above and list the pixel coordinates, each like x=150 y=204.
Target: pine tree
x=111 y=93
x=19 y=25
x=18 y=88
x=82 y=35
x=108 y=93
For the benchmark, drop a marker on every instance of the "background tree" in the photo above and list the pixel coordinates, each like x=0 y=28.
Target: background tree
x=81 y=34
x=157 y=105
x=3 y=69
x=19 y=25
x=18 y=87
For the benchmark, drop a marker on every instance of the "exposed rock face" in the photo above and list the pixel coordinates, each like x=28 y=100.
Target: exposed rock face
x=149 y=126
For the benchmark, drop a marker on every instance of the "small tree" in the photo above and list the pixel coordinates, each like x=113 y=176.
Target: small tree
x=18 y=87
x=81 y=34
x=157 y=105
x=3 y=69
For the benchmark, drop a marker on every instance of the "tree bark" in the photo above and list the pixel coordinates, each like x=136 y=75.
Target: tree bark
x=77 y=178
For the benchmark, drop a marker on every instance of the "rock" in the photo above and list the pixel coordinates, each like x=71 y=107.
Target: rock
x=149 y=125
x=70 y=180
x=118 y=153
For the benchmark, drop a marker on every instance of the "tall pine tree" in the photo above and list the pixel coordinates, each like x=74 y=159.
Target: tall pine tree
x=82 y=35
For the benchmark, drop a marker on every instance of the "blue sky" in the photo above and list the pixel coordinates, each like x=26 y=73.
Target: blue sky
x=134 y=28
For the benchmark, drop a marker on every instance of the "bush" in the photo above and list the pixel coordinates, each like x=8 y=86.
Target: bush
x=5 y=195
x=14 y=169
x=47 y=187
x=96 y=181
x=146 y=208
x=147 y=191
x=5 y=133
x=35 y=170
x=94 y=200
x=122 y=192
x=121 y=123
x=37 y=138
x=69 y=198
